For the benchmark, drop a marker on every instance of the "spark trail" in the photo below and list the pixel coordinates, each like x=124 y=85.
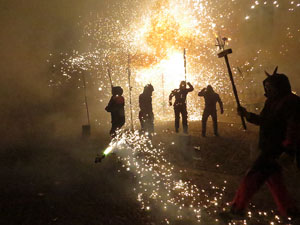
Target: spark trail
x=169 y=193
x=156 y=32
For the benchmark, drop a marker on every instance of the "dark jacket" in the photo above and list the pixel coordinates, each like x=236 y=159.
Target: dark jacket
x=116 y=108
x=211 y=98
x=180 y=95
x=145 y=103
x=279 y=120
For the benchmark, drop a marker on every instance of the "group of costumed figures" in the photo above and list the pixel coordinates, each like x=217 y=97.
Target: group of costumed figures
x=279 y=133
x=146 y=116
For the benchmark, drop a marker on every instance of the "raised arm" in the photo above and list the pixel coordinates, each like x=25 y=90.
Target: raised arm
x=201 y=93
x=191 y=88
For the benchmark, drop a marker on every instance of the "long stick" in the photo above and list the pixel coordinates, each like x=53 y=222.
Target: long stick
x=184 y=58
x=109 y=76
x=163 y=92
x=86 y=103
x=234 y=89
x=130 y=103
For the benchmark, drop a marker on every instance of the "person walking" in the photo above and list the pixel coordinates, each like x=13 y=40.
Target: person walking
x=279 y=123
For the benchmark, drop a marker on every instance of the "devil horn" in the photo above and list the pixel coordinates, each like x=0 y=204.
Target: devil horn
x=267 y=74
x=275 y=71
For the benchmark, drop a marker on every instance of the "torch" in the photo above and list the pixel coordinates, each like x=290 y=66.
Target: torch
x=224 y=53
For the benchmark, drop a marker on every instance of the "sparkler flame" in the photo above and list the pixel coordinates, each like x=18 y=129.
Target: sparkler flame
x=108 y=150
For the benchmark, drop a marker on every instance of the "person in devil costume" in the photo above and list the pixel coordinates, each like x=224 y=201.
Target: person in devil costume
x=211 y=98
x=180 y=104
x=279 y=123
x=116 y=108
x=146 y=116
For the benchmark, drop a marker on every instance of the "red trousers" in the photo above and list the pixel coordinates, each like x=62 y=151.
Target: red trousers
x=251 y=184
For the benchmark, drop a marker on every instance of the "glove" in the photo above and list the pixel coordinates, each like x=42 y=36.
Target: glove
x=222 y=111
x=170 y=103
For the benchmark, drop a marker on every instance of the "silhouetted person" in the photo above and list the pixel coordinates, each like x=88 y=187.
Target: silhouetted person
x=116 y=108
x=211 y=98
x=279 y=124
x=146 y=113
x=180 y=104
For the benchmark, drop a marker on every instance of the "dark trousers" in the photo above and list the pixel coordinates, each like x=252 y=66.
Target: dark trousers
x=205 y=115
x=251 y=183
x=115 y=125
x=147 y=121
x=181 y=110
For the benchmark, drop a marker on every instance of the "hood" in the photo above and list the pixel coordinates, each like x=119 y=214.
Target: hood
x=117 y=90
x=278 y=81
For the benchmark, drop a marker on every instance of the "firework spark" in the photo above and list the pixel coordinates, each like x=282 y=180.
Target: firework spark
x=161 y=187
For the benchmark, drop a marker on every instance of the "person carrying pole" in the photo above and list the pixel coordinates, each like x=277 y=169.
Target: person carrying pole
x=279 y=123
x=116 y=108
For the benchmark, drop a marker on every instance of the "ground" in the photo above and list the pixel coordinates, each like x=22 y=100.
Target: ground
x=55 y=180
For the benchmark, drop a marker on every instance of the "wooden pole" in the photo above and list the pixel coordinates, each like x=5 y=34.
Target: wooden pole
x=109 y=76
x=85 y=97
x=130 y=88
x=225 y=55
x=163 y=92
x=184 y=58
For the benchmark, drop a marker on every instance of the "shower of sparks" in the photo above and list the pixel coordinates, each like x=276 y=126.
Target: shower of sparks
x=155 y=34
x=156 y=41
x=161 y=187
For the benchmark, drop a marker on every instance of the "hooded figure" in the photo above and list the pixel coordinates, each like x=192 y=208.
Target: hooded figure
x=279 y=132
x=146 y=113
x=116 y=108
x=180 y=104
x=211 y=98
